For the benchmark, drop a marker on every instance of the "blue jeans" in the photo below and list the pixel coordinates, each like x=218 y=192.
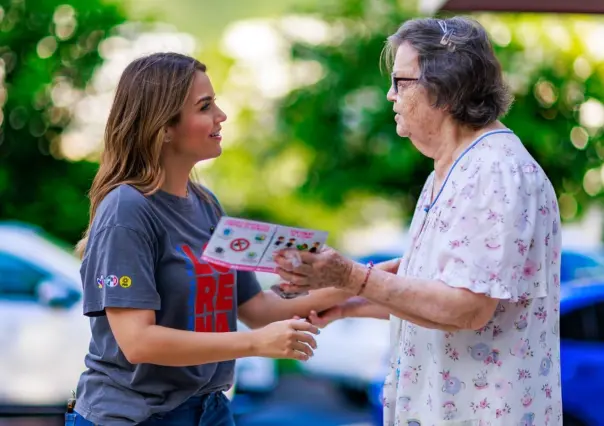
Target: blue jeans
x=209 y=410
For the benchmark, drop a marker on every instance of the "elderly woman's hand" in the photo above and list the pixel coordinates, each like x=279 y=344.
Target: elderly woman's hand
x=304 y=270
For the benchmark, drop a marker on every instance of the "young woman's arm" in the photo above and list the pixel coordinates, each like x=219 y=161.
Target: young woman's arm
x=267 y=307
x=142 y=341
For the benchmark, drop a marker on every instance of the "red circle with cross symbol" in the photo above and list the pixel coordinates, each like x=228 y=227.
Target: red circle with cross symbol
x=239 y=244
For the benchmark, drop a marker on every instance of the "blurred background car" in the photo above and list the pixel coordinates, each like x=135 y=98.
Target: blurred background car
x=581 y=264
x=582 y=351
x=43 y=334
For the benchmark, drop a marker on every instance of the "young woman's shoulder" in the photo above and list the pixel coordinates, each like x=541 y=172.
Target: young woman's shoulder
x=126 y=197
x=124 y=206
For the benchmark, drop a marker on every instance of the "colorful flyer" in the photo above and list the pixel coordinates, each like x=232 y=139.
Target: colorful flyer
x=249 y=245
x=297 y=238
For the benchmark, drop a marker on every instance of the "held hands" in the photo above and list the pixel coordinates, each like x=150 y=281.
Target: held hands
x=326 y=317
x=286 y=339
x=342 y=310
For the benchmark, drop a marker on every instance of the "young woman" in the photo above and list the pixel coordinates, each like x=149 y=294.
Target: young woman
x=163 y=322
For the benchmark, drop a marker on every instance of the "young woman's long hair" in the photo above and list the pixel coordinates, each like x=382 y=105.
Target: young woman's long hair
x=149 y=97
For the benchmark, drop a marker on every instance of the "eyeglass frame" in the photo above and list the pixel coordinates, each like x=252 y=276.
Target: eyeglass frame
x=395 y=81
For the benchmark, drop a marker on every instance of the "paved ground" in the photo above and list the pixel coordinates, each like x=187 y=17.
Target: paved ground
x=298 y=401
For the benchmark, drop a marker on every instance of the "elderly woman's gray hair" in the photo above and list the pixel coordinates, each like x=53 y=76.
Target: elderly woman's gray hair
x=458 y=67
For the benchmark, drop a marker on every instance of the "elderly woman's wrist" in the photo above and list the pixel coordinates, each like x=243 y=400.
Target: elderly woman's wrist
x=358 y=277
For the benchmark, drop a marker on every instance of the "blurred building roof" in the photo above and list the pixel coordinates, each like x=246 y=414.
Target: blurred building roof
x=545 y=6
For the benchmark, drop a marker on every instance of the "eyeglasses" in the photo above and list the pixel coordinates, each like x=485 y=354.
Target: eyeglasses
x=397 y=80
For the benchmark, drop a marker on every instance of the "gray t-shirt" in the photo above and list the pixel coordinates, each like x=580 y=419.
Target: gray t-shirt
x=144 y=253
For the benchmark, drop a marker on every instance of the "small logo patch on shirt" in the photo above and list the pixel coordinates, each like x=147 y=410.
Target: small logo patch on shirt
x=100 y=281
x=125 y=281
x=111 y=281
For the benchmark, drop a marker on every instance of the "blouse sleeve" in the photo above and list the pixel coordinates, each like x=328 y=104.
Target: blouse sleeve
x=497 y=238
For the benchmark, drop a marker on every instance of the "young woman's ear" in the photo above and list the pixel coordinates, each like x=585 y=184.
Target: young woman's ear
x=167 y=135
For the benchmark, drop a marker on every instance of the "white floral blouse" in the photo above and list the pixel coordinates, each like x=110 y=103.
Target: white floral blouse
x=494 y=228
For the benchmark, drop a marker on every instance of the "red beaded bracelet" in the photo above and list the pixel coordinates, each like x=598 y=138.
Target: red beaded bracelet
x=369 y=268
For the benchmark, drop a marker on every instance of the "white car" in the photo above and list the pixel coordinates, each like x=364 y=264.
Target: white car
x=44 y=335
x=351 y=353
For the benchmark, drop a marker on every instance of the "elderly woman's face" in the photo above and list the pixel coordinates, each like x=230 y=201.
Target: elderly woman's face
x=415 y=117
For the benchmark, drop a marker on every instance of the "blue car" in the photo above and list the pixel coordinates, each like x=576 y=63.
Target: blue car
x=578 y=265
x=582 y=352
x=582 y=355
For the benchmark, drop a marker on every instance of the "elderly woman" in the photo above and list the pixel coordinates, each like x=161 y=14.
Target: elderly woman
x=473 y=304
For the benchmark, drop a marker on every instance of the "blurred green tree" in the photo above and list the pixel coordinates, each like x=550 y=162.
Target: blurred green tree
x=48 y=52
x=552 y=64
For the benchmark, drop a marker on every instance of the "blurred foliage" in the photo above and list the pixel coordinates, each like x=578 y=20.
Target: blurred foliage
x=48 y=50
x=323 y=155
x=346 y=119
x=207 y=20
x=346 y=124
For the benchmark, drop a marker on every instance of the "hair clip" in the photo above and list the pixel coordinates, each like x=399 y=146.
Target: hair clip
x=447 y=34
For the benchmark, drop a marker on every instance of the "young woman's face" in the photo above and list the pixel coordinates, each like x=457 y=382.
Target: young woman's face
x=197 y=134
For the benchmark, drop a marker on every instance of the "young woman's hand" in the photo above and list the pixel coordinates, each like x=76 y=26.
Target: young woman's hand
x=326 y=317
x=353 y=307
x=286 y=339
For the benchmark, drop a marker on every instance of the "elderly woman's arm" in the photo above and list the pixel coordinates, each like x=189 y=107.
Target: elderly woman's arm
x=427 y=303
x=359 y=307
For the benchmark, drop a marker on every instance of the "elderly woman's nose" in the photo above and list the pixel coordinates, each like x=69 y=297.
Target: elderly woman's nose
x=391 y=95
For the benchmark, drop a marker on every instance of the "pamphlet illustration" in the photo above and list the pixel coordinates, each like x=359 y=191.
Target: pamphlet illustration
x=249 y=245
